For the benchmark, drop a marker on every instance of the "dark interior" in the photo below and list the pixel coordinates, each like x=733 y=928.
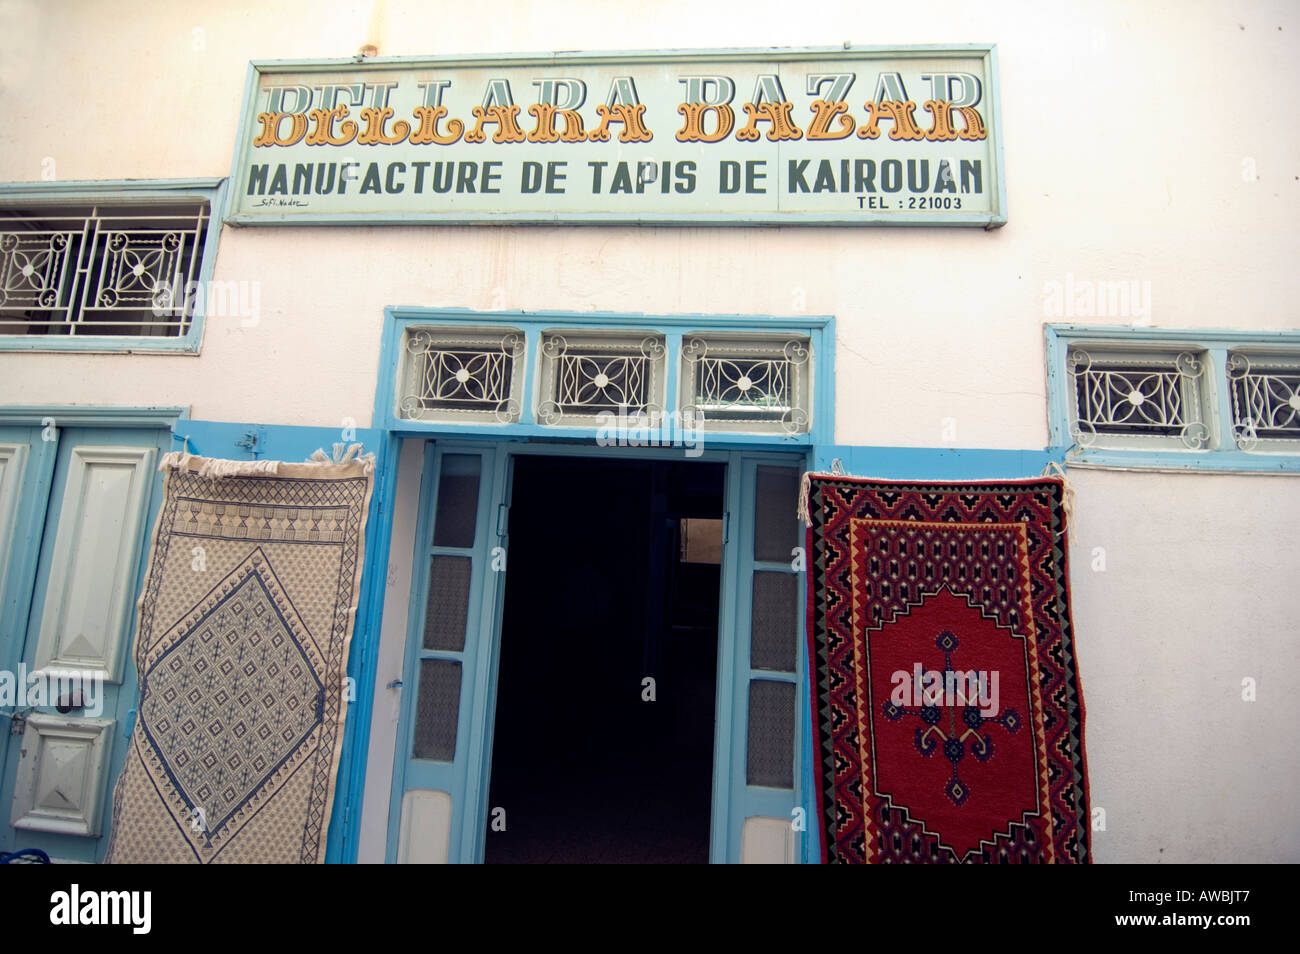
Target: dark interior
x=599 y=597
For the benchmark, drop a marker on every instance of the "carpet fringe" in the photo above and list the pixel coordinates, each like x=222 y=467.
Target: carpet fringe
x=1067 y=496
x=343 y=456
x=801 y=508
x=212 y=467
x=215 y=468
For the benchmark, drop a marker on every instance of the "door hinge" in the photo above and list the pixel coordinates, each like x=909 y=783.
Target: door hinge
x=503 y=520
x=249 y=442
x=726 y=526
x=18 y=721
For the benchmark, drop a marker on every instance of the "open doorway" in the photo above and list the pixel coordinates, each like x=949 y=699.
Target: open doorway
x=613 y=580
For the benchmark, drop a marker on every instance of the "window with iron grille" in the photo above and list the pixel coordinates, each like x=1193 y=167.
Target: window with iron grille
x=585 y=375
x=751 y=383
x=1265 y=393
x=105 y=269
x=1138 y=399
x=459 y=374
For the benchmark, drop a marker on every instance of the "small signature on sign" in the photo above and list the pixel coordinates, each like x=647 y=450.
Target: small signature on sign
x=277 y=201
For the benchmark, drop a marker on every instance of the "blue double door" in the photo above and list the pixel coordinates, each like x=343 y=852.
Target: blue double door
x=76 y=507
x=604 y=659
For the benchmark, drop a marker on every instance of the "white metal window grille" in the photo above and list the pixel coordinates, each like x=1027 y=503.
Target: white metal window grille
x=1138 y=399
x=1265 y=392
x=584 y=376
x=101 y=269
x=454 y=374
x=760 y=384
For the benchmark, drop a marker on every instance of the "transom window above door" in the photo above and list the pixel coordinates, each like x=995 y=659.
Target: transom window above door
x=738 y=377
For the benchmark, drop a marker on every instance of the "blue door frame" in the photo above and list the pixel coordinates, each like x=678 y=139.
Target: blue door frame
x=466 y=777
x=50 y=434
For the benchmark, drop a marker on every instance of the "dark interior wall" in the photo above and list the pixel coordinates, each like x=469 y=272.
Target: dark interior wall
x=595 y=602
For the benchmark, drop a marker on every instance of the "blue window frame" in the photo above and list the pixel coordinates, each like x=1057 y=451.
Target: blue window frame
x=525 y=406
x=131 y=260
x=1169 y=399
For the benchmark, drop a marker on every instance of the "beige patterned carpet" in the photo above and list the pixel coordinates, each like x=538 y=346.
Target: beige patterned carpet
x=244 y=626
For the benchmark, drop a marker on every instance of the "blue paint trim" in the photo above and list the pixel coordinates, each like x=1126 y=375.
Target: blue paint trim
x=731 y=322
x=486 y=670
x=38 y=528
x=246 y=106
x=1223 y=456
x=820 y=329
x=532 y=376
x=733 y=800
x=465 y=777
x=17 y=589
x=345 y=825
x=1192 y=336
x=724 y=731
x=935 y=463
x=748 y=801
x=987 y=51
x=213 y=191
x=416 y=602
x=72 y=415
x=73 y=189
x=995 y=123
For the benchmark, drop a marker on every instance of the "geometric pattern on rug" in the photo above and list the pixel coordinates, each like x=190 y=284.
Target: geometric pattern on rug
x=232 y=699
x=244 y=627
x=917 y=584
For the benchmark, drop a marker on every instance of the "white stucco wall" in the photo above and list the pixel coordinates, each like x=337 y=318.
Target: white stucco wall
x=1127 y=130
x=1193 y=592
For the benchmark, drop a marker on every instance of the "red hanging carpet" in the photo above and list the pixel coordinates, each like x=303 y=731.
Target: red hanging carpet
x=947 y=712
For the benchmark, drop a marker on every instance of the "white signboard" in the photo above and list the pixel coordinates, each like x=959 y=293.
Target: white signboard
x=773 y=137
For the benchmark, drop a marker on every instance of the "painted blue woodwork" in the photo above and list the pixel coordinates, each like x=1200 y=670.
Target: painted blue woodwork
x=752 y=800
x=1223 y=454
x=125 y=190
x=465 y=776
x=933 y=463
x=819 y=329
x=51 y=434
